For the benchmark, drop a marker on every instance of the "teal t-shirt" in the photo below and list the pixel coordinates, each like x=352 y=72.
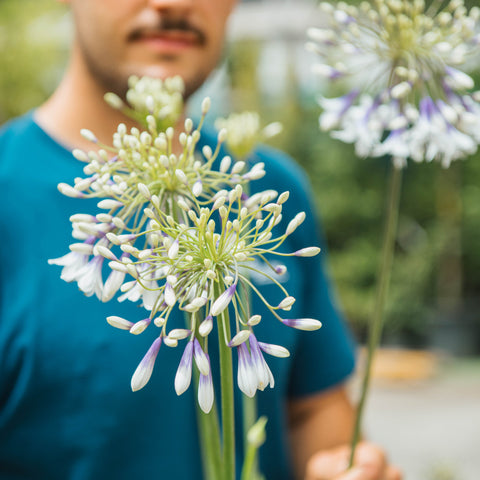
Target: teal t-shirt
x=66 y=408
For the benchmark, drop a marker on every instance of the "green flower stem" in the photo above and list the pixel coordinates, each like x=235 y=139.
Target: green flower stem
x=375 y=330
x=249 y=471
x=226 y=388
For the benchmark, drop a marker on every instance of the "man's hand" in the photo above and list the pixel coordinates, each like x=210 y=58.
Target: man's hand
x=370 y=464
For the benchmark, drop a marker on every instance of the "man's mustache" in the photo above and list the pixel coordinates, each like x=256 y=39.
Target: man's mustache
x=166 y=25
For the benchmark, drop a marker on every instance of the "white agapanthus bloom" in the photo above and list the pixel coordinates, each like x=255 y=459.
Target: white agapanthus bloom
x=177 y=233
x=400 y=65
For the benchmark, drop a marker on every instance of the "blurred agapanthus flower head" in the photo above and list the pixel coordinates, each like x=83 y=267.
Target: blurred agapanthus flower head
x=244 y=132
x=151 y=100
x=401 y=66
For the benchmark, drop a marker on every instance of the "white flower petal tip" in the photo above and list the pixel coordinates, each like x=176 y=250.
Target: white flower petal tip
x=275 y=350
x=201 y=358
x=308 y=324
x=205 y=391
x=222 y=302
x=183 y=376
x=144 y=370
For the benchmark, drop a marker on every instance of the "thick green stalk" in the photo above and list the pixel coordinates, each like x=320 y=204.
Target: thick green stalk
x=375 y=330
x=226 y=389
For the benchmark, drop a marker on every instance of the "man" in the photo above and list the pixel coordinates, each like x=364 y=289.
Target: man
x=66 y=411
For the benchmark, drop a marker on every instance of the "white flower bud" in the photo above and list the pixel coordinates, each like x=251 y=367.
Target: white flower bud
x=109 y=204
x=297 y=220
x=283 y=198
x=238 y=167
x=80 y=155
x=401 y=90
x=308 y=324
x=206 y=103
x=206 y=326
x=170 y=342
x=143 y=189
x=307 y=252
x=159 y=322
x=239 y=338
x=287 y=302
x=87 y=134
x=179 y=333
x=69 y=191
x=180 y=174
x=225 y=163
x=119 y=322
x=118 y=266
x=83 y=248
x=114 y=100
x=139 y=327
x=254 y=320
x=104 y=252
x=222 y=135
x=256 y=434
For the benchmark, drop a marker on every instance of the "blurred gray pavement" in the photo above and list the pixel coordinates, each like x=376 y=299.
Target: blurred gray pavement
x=430 y=427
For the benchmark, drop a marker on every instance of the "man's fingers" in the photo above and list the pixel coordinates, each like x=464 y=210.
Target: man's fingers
x=393 y=473
x=355 y=473
x=370 y=463
x=371 y=459
x=328 y=464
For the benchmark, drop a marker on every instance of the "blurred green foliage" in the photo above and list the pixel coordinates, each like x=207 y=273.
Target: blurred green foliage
x=437 y=263
x=34 y=44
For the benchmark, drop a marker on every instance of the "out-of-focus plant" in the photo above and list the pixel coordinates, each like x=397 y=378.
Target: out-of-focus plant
x=405 y=96
x=34 y=40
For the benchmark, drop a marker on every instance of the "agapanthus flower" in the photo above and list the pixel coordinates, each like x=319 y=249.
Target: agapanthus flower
x=179 y=234
x=205 y=263
x=401 y=66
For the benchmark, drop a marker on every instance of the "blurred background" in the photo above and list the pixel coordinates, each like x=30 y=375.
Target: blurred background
x=425 y=406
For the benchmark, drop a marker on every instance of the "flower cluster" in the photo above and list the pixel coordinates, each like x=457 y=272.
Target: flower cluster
x=244 y=132
x=187 y=234
x=151 y=98
x=410 y=98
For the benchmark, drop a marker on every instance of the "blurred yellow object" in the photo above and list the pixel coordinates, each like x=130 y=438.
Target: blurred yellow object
x=398 y=364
